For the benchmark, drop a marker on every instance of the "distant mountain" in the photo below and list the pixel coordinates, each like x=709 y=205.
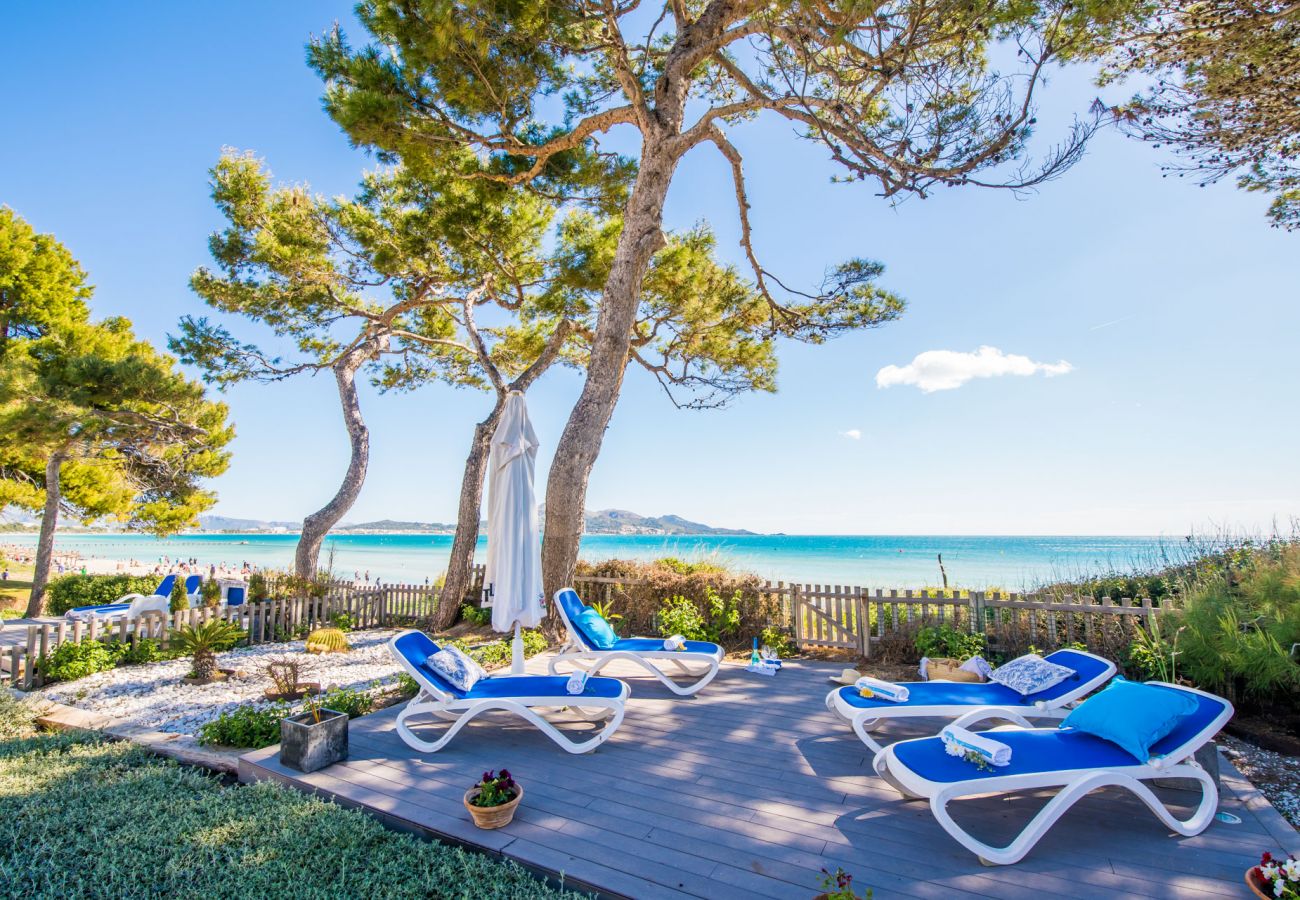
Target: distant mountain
x=605 y=521
x=621 y=521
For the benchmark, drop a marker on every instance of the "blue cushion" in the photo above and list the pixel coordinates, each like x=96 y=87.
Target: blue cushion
x=596 y=629
x=164 y=588
x=1134 y=716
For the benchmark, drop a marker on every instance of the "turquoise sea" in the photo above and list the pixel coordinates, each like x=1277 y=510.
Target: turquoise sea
x=889 y=561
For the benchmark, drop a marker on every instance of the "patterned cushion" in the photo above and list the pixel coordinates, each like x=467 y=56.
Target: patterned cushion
x=459 y=670
x=1030 y=674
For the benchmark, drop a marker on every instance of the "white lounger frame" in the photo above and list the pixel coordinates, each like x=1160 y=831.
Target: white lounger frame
x=864 y=721
x=576 y=652
x=459 y=711
x=1074 y=784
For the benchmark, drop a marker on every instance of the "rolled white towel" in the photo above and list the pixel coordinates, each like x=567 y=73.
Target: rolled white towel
x=977 y=665
x=676 y=642
x=577 y=682
x=925 y=668
x=965 y=740
x=885 y=690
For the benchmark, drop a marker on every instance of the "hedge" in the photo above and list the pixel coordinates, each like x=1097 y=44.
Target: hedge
x=85 y=818
x=70 y=591
x=641 y=604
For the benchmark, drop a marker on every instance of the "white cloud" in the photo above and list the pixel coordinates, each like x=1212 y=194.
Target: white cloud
x=855 y=433
x=943 y=370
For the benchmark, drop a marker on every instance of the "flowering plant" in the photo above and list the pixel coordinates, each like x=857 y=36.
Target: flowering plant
x=495 y=789
x=839 y=886
x=1281 y=876
x=955 y=749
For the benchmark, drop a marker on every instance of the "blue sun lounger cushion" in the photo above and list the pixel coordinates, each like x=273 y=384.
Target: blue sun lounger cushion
x=458 y=669
x=596 y=629
x=1134 y=716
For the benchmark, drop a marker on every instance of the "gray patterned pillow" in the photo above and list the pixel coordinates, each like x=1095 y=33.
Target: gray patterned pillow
x=456 y=668
x=1030 y=674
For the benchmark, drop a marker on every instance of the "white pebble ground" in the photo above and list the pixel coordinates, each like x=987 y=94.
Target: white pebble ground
x=154 y=695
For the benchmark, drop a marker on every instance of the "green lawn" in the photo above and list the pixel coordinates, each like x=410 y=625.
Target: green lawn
x=85 y=818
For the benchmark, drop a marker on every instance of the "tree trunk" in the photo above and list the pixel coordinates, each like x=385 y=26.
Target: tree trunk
x=316 y=526
x=575 y=454
x=45 y=543
x=460 y=567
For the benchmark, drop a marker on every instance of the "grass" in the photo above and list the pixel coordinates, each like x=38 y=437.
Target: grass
x=80 y=817
x=15 y=592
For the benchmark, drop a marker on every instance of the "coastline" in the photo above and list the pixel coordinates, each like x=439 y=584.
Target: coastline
x=871 y=561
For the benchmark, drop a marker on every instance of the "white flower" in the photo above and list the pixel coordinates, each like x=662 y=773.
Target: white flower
x=1269 y=871
x=953 y=748
x=1279 y=887
x=1292 y=869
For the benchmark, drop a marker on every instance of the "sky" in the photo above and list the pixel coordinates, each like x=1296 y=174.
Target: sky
x=1112 y=354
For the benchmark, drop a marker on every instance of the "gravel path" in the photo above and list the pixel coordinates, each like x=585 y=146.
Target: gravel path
x=1276 y=776
x=154 y=696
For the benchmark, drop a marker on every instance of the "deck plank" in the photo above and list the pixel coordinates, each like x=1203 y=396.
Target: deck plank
x=750 y=789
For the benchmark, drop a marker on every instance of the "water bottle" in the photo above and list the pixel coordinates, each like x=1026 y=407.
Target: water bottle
x=754 y=659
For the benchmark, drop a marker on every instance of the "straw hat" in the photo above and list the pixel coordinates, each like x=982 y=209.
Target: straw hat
x=848 y=676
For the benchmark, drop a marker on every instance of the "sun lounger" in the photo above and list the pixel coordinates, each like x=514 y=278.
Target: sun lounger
x=953 y=698
x=601 y=698
x=581 y=651
x=1075 y=762
x=131 y=604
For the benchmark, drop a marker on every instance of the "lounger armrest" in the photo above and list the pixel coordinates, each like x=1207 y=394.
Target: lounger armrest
x=986 y=713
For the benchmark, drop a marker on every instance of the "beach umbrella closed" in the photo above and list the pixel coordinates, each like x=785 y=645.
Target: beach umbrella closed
x=513 y=575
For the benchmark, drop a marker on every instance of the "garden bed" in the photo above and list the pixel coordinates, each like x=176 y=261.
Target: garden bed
x=154 y=695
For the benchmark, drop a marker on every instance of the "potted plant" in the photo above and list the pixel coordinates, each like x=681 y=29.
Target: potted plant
x=210 y=591
x=285 y=673
x=1275 y=878
x=493 y=801
x=203 y=641
x=314 y=738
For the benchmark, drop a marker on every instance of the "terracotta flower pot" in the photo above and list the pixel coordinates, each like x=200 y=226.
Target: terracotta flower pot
x=1256 y=884
x=493 y=816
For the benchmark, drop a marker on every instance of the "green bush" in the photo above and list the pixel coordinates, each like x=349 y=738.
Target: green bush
x=70 y=661
x=343 y=621
x=498 y=653
x=16 y=715
x=945 y=641
x=250 y=726
x=405 y=685
x=476 y=615
x=777 y=641
x=718 y=620
x=69 y=591
x=91 y=814
x=348 y=700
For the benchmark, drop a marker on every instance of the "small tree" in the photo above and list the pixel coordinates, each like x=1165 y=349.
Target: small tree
x=179 y=600
x=94 y=422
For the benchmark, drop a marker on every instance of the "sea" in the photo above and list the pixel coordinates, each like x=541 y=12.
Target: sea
x=886 y=561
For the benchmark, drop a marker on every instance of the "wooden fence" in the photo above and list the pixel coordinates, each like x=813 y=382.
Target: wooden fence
x=841 y=617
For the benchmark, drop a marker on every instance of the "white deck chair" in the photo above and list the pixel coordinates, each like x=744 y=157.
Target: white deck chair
x=949 y=699
x=1071 y=760
x=581 y=651
x=132 y=605
x=602 y=698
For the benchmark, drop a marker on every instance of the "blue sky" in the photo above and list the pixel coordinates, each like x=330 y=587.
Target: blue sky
x=1174 y=307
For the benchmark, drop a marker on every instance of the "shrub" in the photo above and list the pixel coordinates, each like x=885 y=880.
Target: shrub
x=947 y=641
x=642 y=603
x=146 y=650
x=16 y=715
x=92 y=590
x=70 y=661
x=180 y=600
x=476 y=615
x=210 y=591
x=348 y=700
x=405 y=685
x=343 y=621
x=499 y=653
x=251 y=725
x=257 y=589
x=776 y=640
x=718 y=620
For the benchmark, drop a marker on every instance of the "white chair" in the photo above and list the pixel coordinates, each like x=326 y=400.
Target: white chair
x=601 y=698
x=949 y=699
x=582 y=652
x=1075 y=762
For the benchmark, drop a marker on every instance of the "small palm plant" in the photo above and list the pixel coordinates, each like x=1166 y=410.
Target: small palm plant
x=203 y=641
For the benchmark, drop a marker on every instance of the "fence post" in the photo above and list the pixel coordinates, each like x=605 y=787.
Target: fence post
x=864 y=623
x=795 y=603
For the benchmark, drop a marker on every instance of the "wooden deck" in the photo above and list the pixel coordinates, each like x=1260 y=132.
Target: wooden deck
x=750 y=790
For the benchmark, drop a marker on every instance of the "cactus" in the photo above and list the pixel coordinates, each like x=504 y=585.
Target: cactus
x=327 y=640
